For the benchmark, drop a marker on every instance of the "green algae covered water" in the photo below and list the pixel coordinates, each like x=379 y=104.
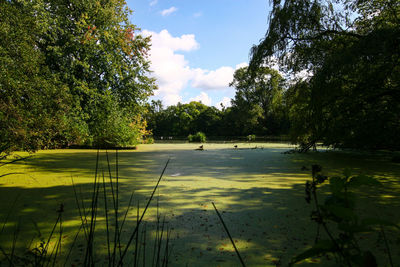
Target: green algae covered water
x=258 y=189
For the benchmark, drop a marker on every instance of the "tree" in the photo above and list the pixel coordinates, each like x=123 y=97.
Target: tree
x=351 y=50
x=33 y=101
x=74 y=72
x=102 y=59
x=258 y=101
x=209 y=122
x=184 y=119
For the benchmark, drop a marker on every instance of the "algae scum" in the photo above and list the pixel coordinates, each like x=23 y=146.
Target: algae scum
x=258 y=190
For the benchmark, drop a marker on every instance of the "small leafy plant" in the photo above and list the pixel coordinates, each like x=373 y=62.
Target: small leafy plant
x=198 y=137
x=251 y=137
x=148 y=140
x=338 y=210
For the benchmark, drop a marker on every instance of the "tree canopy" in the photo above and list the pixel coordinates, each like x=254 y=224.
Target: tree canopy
x=184 y=119
x=75 y=72
x=258 y=104
x=351 y=50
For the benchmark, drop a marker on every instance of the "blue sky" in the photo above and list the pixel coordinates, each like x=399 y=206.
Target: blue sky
x=197 y=44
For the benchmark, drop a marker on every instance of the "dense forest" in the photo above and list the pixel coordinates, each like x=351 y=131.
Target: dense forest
x=78 y=73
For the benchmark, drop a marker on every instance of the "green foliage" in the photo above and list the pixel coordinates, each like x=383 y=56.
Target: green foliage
x=351 y=51
x=33 y=102
x=257 y=106
x=73 y=73
x=251 y=137
x=198 y=137
x=339 y=209
x=182 y=119
x=111 y=127
x=148 y=140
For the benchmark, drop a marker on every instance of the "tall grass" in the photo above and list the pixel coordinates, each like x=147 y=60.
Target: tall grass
x=52 y=252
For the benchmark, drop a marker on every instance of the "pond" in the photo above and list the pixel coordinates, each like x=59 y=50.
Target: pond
x=257 y=188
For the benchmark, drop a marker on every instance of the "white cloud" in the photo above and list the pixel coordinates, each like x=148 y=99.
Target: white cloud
x=291 y=77
x=216 y=79
x=153 y=3
x=273 y=63
x=173 y=72
x=197 y=14
x=226 y=102
x=203 y=98
x=303 y=75
x=170 y=69
x=164 y=39
x=171 y=99
x=242 y=65
x=169 y=11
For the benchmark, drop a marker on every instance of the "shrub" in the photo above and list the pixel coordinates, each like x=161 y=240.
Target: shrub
x=251 y=137
x=148 y=140
x=198 y=137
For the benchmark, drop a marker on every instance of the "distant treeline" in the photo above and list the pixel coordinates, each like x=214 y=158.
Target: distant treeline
x=224 y=139
x=239 y=120
x=338 y=81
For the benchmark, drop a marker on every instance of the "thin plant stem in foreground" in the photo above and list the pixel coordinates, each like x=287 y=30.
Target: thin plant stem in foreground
x=141 y=218
x=229 y=235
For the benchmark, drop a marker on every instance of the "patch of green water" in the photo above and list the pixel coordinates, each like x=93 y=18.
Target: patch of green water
x=258 y=190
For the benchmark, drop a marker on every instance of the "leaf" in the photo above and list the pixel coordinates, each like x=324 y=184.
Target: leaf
x=316 y=169
x=341 y=212
x=334 y=200
x=331 y=7
x=363 y=180
x=347 y=173
x=321 y=178
x=336 y=184
x=321 y=247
